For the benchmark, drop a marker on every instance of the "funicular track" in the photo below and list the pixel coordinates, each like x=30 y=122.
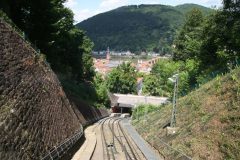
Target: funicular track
x=116 y=143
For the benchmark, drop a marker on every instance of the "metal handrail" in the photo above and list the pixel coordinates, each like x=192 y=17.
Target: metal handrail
x=166 y=146
x=57 y=151
x=174 y=150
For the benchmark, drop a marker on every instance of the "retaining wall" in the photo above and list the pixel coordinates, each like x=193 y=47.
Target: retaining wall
x=35 y=114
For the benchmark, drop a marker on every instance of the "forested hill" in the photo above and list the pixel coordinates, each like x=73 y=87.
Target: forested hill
x=137 y=28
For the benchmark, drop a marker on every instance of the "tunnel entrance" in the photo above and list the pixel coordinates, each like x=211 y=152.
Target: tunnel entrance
x=123 y=103
x=119 y=109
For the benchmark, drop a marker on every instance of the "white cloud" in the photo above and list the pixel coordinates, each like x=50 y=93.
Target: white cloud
x=111 y=4
x=81 y=15
x=212 y=2
x=70 y=3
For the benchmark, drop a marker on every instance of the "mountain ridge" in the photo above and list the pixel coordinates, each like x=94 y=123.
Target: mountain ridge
x=137 y=27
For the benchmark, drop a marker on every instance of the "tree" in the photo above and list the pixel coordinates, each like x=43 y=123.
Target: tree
x=101 y=89
x=165 y=69
x=221 y=39
x=49 y=26
x=152 y=85
x=231 y=5
x=122 y=79
x=88 y=69
x=211 y=45
x=188 y=40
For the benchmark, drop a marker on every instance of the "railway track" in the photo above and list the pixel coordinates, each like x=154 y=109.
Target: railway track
x=116 y=144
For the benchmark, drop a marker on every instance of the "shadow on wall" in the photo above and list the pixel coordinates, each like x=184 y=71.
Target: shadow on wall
x=85 y=113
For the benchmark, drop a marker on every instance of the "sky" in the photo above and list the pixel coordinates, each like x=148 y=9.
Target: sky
x=84 y=9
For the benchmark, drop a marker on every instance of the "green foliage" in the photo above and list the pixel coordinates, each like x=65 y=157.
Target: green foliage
x=165 y=69
x=235 y=78
x=221 y=45
x=152 y=85
x=140 y=111
x=136 y=28
x=102 y=93
x=122 y=79
x=94 y=94
x=9 y=21
x=157 y=82
x=186 y=8
x=188 y=40
x=213 y=109
x=81 y=91
x=49 y=26
x=88 y=69
x=212 y=43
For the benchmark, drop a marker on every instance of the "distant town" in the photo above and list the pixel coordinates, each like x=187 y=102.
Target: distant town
x=105 y=61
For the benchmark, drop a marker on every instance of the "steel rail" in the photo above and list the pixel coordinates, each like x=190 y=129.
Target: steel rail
x=104 y=139
x=121 y=141
x=128 y=141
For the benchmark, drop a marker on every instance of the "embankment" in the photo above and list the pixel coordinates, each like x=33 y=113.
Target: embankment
x=207 y=120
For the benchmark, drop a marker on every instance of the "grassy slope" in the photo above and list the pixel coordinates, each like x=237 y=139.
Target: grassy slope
x=208 y=119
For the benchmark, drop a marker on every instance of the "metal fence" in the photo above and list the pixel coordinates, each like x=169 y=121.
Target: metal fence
x=57 y=151
x=167 y=151
x=164 y=149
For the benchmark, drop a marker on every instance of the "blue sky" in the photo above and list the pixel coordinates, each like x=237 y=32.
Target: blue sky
x=84 y=9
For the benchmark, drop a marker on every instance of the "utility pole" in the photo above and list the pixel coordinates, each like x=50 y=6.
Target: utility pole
x=137 y=107
x=175 y=80
x=145 y=109
x=137 y=114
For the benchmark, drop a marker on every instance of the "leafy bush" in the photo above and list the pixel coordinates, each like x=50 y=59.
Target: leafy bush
x=143 y=109
x=157 y=82
x=101 y=90
x=122 y=79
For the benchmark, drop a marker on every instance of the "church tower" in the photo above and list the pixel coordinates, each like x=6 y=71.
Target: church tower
x=108 y=54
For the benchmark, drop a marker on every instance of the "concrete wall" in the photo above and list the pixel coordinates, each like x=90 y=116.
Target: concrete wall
x=35 y=114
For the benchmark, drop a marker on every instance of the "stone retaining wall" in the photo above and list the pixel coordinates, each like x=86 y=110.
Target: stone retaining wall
x=35 y=114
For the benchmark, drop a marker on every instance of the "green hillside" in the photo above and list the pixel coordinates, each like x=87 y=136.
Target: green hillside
x=136 y=28
x=184 y=8
x=208 y=121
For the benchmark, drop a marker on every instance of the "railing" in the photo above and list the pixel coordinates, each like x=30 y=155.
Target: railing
x=165 y=150
x=57 y=152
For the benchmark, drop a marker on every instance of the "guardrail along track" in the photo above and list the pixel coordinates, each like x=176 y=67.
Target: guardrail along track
x=57 y=151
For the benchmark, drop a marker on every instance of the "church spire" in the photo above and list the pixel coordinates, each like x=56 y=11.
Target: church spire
x=108 y=54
